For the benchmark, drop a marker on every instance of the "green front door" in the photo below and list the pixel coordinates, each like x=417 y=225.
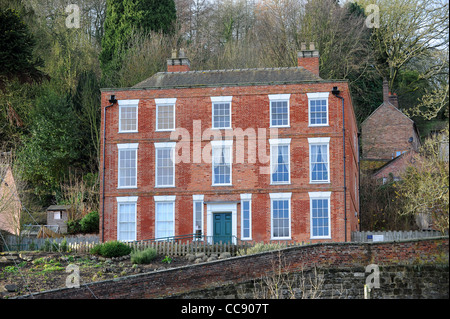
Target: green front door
x=222 y=227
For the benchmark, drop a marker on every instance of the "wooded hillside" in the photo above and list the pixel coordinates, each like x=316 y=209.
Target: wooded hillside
x=51 y=71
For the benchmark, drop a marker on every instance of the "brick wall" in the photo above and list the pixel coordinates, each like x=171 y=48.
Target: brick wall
x=195 y=178
x=238 y=270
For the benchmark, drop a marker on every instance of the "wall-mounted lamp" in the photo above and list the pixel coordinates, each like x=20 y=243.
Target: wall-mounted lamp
x=112 y=99
x=335 y=91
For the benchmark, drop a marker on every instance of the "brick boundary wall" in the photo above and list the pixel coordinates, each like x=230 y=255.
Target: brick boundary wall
x=236 y=270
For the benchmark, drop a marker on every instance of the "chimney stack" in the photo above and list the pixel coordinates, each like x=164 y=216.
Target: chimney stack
x=385 y=91
x=178 y=62
x=388 y=97
x=309 y=59
x=393 y=99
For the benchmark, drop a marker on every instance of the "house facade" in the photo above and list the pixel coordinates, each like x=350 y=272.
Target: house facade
x=389 y=139
x=388 y=132
x=10 y=204
x=244 y=154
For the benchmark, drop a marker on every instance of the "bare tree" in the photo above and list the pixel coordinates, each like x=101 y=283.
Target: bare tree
x=281 y=283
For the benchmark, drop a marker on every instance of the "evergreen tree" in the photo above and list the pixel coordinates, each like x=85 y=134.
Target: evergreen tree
x=54 y=143
x=124 y=16
x=16 y=48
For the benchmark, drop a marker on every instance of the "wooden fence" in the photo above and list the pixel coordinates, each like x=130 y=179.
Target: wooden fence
x=174 y=248
x=373 y=236
x=83 y=244
x=74 y=243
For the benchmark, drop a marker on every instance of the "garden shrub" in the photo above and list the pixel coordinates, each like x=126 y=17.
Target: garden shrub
x=63 y=246
x=73 y=226
x=90 y=222
x=143 y=256
x=111 y=249
x=259 y=248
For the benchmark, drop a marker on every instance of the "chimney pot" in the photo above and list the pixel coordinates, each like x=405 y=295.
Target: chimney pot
x=178 y=64
x=308 y=59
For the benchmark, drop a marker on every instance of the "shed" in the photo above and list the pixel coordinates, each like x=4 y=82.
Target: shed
x=57 y=215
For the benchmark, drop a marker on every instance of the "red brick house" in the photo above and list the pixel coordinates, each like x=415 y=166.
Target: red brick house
x=389 y=138
x=242 y=154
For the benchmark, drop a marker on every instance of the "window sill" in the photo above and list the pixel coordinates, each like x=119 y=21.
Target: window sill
x=281 y=238
x=279 y=126
x=166 y=130
x=283 y=183
x=318 y=125
x=313 y=238
x=319 y=182
x=221 y=184
x=122 y=132
x=172 y=186
x=127 y=187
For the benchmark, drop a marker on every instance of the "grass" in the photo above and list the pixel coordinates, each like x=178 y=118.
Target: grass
x=143 y=256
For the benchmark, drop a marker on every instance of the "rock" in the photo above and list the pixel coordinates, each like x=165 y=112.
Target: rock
x=11 y=288
x=191 y=258
x=212 y=258
x=224 y=255
x=200 y=255
x=12 y=257
x=25 y=257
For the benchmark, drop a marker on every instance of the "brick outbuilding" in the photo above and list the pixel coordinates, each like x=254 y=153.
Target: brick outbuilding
x=240 y=154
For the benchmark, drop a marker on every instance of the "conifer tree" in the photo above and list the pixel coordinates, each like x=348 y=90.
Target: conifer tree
x=124 y=16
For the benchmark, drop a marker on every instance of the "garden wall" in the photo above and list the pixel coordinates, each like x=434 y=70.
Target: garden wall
x=427 y=257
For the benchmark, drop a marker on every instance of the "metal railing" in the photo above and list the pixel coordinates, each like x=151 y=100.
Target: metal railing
x=197 y=237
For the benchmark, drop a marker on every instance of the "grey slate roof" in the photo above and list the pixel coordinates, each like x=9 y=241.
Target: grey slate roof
x=232 y=77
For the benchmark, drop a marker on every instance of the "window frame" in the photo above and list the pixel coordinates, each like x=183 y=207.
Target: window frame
x=276 y=143
x=161 y=146
x=164 y=200
x=128 y=103
x=165 y=102
x=127 y=147
x=319 y=141
x=319 y=196
x=221 y=100
x=126 y=200
x=246 y=198
x=220 y=145
x=278 y=197
x=318 y=96
x=280 y=98
x=195 y=200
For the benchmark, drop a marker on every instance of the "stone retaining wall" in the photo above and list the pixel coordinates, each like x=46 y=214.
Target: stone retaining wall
x=342 y=262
